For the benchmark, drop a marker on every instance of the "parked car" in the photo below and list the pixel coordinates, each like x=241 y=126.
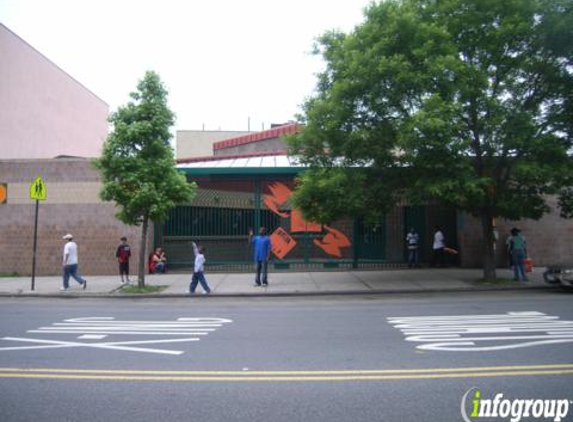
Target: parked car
x=559 y=274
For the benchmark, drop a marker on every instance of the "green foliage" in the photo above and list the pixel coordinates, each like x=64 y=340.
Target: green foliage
x=137 y=163
x=466 y=101
x=142 y=290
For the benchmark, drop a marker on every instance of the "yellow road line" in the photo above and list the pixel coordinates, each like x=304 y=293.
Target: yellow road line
x=295 y=372
x=282 y=376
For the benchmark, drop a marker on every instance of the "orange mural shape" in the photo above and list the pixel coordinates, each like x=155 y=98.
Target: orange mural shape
x=333 y=242
x=299 y=224
x=280 y=193
x=3 y=193
x=281 y=243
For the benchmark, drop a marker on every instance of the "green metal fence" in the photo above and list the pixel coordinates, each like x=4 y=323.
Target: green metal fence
x=226 y=209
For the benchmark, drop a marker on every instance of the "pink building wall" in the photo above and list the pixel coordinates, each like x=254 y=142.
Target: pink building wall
x=44 y=112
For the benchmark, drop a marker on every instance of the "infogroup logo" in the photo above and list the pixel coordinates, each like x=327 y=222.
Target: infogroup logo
x=513 y=409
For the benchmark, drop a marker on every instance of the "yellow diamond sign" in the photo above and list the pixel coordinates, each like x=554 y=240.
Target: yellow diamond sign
x=38 y=189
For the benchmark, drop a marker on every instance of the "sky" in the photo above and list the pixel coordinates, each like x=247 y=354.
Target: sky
x=227 y=65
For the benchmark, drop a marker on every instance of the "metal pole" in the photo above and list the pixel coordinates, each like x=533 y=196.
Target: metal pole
x=35 y=245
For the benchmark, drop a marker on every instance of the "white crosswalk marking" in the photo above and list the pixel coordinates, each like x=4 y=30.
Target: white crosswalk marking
x=463 y=333
x=98 y=328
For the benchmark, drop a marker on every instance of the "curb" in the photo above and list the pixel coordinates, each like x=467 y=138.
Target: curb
x=74 y=295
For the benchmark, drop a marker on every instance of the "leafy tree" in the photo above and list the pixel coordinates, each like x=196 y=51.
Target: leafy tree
x=468 y=102
x=137 y=163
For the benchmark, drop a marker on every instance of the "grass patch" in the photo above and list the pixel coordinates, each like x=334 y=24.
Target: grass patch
x=12 y=274
x=142 y=290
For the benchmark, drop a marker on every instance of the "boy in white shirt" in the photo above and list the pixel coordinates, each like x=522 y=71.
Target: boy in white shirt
x=198 y=271
x=438 y=256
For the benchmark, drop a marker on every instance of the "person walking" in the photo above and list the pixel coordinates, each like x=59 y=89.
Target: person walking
x=199 y=271
x=70 y=264
x=262 y=253
x=123 y=253
x=412 y=241
x=438 y=256
x=518 y=252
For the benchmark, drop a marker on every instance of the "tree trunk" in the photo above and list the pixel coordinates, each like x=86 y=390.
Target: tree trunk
x=142 y=253
x=489 y=274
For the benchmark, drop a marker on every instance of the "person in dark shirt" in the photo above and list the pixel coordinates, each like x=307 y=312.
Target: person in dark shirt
x=123 y=254
x=262 y=252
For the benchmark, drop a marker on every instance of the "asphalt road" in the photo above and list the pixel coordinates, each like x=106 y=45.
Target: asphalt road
x=396 y=358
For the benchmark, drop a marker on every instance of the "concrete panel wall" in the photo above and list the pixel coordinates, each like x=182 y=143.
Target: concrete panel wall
x=199 y=143
x=44 y=112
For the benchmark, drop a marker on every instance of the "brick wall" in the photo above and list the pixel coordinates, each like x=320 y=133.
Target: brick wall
x=549 y=240
x=72 y=206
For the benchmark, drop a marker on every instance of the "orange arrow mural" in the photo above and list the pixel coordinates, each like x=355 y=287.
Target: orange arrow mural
x=333 y=242
x=282 y=242
x=280 y=193
x=299 y=224
x=3 y=193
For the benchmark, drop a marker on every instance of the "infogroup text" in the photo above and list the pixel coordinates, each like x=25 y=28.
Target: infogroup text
x=513 y=409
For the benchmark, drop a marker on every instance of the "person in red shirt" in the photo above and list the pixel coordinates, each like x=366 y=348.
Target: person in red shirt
x=123 y=253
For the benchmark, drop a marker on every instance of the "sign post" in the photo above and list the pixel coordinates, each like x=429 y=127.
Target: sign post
x=37 y=192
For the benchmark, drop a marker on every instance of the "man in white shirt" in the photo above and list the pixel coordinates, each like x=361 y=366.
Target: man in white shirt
x=438 y=256
x=70 y=263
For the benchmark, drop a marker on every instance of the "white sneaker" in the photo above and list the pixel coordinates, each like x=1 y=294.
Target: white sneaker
x=64 y=289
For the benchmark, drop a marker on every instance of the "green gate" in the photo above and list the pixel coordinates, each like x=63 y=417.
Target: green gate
x=370 y=241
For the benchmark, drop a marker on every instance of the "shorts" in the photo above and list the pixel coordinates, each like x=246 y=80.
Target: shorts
x=124 y=268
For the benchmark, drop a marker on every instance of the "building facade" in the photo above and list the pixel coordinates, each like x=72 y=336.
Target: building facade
x=72 y=205
x=247 y=182
x=44 y=112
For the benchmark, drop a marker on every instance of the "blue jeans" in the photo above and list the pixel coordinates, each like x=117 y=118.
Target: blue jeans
x=71 y=270
x=413 y=257
x=262 y=269
x=199 y=277
x=518 y=255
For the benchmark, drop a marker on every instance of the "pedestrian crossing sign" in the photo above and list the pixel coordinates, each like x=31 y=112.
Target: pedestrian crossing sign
x=38 y=189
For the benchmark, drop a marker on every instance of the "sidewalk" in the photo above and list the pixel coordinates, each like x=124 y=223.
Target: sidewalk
x=281 y=283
